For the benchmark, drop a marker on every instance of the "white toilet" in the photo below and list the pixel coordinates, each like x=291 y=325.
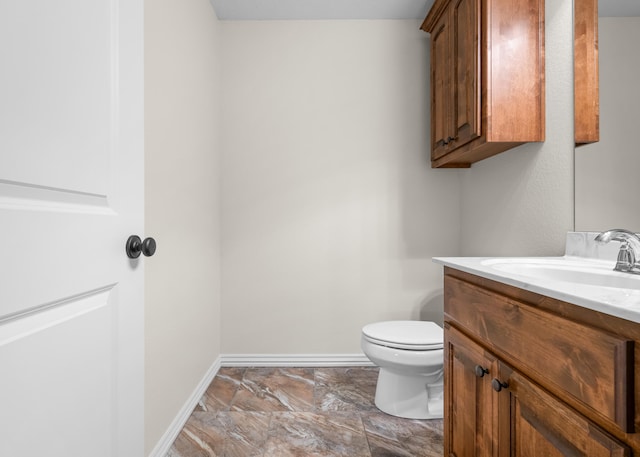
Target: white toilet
x=410 y=355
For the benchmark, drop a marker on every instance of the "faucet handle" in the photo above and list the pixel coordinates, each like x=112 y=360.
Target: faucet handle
x=626 y=258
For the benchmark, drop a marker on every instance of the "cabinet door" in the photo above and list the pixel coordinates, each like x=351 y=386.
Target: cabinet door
x=465 y=32
x=534 y=424
x=441 y=90
x=470 y=402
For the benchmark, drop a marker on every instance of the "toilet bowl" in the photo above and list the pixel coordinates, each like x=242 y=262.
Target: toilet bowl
x=410 y=355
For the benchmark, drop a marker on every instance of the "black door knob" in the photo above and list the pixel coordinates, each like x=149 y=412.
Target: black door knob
x=480 y=371
x=498 y=385
x=135 y=247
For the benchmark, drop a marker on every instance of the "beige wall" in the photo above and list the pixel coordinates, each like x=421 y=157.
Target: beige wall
x=521 y=202
x=331 y=213
x=607 y=172
x=182 y=66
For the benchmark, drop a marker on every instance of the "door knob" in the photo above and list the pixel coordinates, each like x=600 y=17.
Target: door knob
x=480 y=371
x=135 y=247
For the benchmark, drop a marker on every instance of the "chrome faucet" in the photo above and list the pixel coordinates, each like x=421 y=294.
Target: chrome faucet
x=629 y=254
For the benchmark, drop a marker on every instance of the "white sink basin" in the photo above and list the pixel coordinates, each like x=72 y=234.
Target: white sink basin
x=592 y=273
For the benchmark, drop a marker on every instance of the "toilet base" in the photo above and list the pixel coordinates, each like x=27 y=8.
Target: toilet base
x=410 y=396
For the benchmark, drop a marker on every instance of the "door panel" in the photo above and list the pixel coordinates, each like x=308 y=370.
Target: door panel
x=55 y=373
x=538 y=424
x=440 y=87
x=71 y=192
x=471 y=422
x=57 y=79
x=466 y=48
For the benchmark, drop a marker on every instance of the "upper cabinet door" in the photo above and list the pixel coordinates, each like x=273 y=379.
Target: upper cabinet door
x=441 y=93
x=466 y=61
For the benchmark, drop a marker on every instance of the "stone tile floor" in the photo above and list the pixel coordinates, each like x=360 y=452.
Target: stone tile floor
x=301 y=412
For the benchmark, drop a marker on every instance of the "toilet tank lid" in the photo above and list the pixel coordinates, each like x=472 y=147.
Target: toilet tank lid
x=421 y=334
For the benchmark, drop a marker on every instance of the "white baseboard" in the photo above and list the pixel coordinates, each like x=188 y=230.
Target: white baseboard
x=294 y=360
x=162 y=447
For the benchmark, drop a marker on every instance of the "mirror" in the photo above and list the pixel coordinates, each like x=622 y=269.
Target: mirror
x=607 y=173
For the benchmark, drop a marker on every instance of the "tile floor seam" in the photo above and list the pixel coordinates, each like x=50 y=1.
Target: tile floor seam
x=366 y=435
x=236 y=389
x=315 y=390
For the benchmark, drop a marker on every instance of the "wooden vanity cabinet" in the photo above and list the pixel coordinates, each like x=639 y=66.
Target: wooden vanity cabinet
x=487 y=78
x=527 y=375
x=520 y=419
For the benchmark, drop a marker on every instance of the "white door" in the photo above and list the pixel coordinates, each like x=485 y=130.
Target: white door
x=71 y=192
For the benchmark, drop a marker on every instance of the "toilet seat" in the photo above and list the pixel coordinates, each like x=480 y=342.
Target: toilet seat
x=409 y=335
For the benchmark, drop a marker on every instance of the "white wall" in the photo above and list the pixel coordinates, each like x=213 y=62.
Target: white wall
x=331 y=213
x=182 y=327
x=520 y=202
x=607 y=172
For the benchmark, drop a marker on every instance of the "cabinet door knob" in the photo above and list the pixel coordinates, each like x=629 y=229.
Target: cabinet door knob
x=480 y=371
x=498 y=385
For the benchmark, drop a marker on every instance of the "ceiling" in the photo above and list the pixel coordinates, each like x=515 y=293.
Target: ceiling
x=320 y=9
x=361 y=9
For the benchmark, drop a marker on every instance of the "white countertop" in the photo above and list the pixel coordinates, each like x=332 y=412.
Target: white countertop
x=619 y=302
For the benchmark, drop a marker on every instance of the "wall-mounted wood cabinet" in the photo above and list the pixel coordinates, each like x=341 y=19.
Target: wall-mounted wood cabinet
x=487 y=78
x=527 y=375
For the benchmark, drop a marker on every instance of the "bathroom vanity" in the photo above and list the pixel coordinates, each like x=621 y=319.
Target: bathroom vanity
x=537 y=367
